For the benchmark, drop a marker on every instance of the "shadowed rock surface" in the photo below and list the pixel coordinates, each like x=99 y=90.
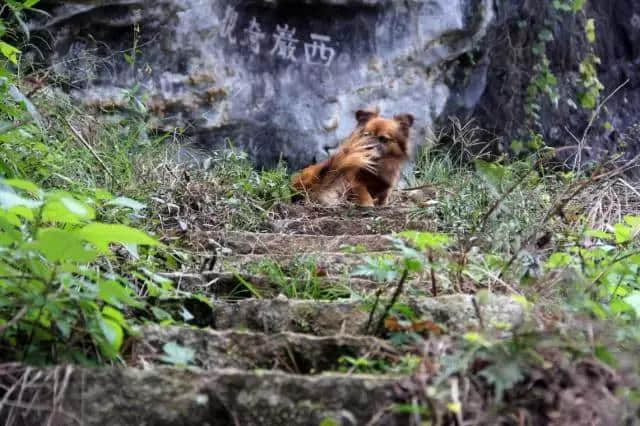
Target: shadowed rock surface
x=281 y=79
x=170 y=397
x=288 y=352
x=455 y=312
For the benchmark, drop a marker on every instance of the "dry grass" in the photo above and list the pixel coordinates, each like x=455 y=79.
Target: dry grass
x=609 y=202
x=29 y=393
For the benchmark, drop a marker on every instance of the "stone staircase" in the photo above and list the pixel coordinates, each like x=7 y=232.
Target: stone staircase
x=264 y=358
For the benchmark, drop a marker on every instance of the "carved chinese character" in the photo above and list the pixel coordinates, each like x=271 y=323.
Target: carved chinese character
x=285 y=44
x=255 y=35
x=229 y=24
x=318 y=52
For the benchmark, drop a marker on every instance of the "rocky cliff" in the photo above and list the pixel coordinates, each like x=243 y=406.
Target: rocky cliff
x=281 y=79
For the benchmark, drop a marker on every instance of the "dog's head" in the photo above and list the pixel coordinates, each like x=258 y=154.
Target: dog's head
x=390 y=135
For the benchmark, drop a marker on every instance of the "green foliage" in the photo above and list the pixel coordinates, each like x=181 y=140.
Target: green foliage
x=592 y=87
x=248 y=193
x=8 y=50
x=56 y=299
x=416 y=252
x=467 y=194
x=569 y=5
x=363 y=365
x=382 y=268
x=178 y=355
x=606 y=265
x=301 y=278
x=544 y=82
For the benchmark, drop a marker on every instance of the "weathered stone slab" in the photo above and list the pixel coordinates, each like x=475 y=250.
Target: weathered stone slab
x=245 y=350
x=230 y=285
x=455 y=312
x=282 y=79
x=169 y=397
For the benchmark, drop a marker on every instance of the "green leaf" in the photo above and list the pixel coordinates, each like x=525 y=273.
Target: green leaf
x=559 y=260
x=254 y=291
x=102 y=194
x=633 y=221
x=63 y=208
x=101 y=235
x=590 y=30
x=599 y=234
x=588 y=100
x=413 y=264
x=126 y=202
x=619 y=306
x=9 y=199
x=58 y=245
x=545 y=35
x=476 y=338
x=494 y=174
x=64 y=326
x=603 y=354
x=114 y=314
x=577 y=5
x=113 y=333
x=160 y=314
x=116 y=294
x=633 y=300
x=503 y=376
x=22 y=212
x=623 y=233
x=24 y=185
x=596 y=309
x=177 y=355
x=10 y=52
x=424 y=240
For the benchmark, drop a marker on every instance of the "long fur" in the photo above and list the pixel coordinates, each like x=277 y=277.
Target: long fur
x=366 y=166
x=329 y=181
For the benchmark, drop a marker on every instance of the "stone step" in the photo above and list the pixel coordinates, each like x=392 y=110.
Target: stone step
x=308 y=211
x=246 y=350
x=334 y=226
x=279 y=244
x=230 y=285
x=332 y=264
x=69 y=395
x=318 y=220
x=455 y=313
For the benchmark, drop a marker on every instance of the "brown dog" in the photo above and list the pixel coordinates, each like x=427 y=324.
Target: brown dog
x=366 y=166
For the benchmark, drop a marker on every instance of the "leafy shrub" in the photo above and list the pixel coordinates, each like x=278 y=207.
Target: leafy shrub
x=57 y=301
x=605 y=268
x=248 y=193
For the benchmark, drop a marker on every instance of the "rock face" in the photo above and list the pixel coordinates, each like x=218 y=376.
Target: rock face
x=282 y=78
x=277 y=78
x=491 y=83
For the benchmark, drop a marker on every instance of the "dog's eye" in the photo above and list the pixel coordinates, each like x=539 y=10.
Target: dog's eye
x=383 y=139
x=366 y=134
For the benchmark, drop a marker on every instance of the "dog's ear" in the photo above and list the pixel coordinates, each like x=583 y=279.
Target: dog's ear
x=363 y=116
x=406 y=120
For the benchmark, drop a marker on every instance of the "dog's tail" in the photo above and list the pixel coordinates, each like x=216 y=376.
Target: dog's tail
x=353 y=155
